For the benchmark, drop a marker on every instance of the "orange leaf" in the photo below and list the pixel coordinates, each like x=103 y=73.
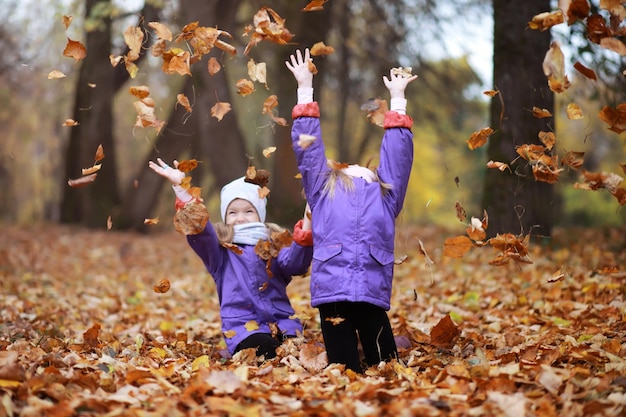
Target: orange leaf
x=313 y=357
x=554 y=69
x=140 y=92
x=91 y=170
x=245 y=87
x=74 y=49
x=544 y=21
x=573 y=159
x=99 y=153
x=491 y=93
x=541 y=113
x=70 y=122
x=319 y=49
x=478 y=139
x=183 y=101
x=547 y=138
x=269 y=104
x=314 y=5
x=614 y=117
x=573 y=111
x=499 y=165
x=268 y=151
x=163 y=287
x=457 y=247
x=151 y=221
x=445 y=333
x=220 y=109
x=213 y=66
x=162 y=31
x=67 y=20
x=188 y=165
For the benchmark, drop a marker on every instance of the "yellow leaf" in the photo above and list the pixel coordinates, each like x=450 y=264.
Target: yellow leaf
x=252 y=325
x=200 y=362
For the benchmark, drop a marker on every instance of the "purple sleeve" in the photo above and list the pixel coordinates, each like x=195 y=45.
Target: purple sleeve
x=396 y=160
x=207 y=247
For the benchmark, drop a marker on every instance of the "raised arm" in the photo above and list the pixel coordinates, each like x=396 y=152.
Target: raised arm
x=173 y=175
x=301 y=66
x=396 y=84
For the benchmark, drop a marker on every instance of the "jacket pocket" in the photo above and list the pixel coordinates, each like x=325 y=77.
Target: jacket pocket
x=324 y=253
x=384 y=257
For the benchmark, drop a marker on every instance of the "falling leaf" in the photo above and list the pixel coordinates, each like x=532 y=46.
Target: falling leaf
x=574 y=112
x=498 y=165
x=257 y=72
x=335 y=320
x=82 y=181
x=91 y=85
x=67 y=20
x=460 y=212
x=151 y=221
x=70 y=122
x=187 y=165
x=55 y=74
x=547 y=138
x=554 y=68
x=573 y=159
x=491 y=93
x=183 y=101
x=115 y=60
x=544 y=21
x=445 y=333
x=267 y=25
x=140 y=91
x=109 y=223
x=245 y=87
x=91 y=170
x=614 y=117
x=587 y=72
x=162 y=31
x=478 y=139
x=268 y=151
x=229 y=334
x=314 y=5
x=163 y=287
x=422 y=250
x=220 y=109
x=457 y=247
x=213 y=66
x=557 y=276
x=614 y=45
x=74 y=49
x=304 y=140
x=99 y=154
x=133 y=36
x=541 y=113
x=176 y=61
x=376 y=109
x=91 y=336
x=475 y=230
x=320 y=49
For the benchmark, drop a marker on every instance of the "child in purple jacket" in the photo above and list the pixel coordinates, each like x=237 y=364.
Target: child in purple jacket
x=353 y=218
x=254 y=307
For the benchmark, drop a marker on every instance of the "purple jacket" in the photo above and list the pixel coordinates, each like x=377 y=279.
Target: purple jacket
x=353 y=231
x=246 y=291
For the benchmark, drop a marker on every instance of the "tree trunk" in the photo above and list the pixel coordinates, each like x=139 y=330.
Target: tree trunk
x=516 y=202
x=93 y=110
x=221 y=143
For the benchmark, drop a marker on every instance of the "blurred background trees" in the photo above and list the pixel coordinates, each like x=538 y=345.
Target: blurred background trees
x=38 y=154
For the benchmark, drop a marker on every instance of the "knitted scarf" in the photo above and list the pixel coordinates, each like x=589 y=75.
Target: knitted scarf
x=250 y=233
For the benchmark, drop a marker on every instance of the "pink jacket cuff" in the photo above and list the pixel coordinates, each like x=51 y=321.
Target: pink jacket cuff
x=311 y=109
x=393 y=119
x=302 y=237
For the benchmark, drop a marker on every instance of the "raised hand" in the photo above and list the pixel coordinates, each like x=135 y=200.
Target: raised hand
x=299 y=66
x=174 y=175
x=397 y=82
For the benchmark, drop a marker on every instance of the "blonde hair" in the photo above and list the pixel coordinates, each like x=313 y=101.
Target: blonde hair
x=336 y=175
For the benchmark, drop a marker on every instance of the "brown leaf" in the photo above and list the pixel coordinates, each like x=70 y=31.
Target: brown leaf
x=183 y=101
x=445 y=333
x=67 y=20
x=541 y=113
x=544 y=21
x=187 y=165
x=554 y=68
x=313 y=357
x=457 y=247
x=99 y=153
x=314 y=5
x=614 y=117
x=478 y=139
x=213 y=66
x=245 y=87
x=320 y=49
x=91 y=336
x=191 y=219
x=163 y=287
x=74 y=49
x=133 y=36
x=220 y=109
x=587 y=72
x=162 y=31
x=460 y=212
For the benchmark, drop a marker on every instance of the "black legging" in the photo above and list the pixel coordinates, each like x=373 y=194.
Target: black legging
x=361 y=321
x=264 y=343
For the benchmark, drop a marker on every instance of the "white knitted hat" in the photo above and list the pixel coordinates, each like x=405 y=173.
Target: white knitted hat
x=245 y=191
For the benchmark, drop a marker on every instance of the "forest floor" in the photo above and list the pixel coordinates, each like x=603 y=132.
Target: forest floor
x=84 y=332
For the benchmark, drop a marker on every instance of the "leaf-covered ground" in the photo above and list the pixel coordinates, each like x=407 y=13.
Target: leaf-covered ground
x=83 y=332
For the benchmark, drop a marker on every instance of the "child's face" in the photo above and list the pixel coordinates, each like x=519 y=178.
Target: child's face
x=240 y=212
